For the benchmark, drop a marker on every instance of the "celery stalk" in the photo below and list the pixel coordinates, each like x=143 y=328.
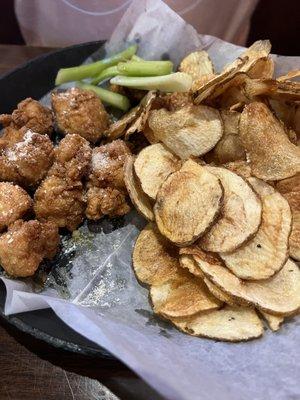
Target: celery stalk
x=136 y=58
x=145 y=68
x=90 y=70
x=105 y=74
x=113 y=99
x=177 y=82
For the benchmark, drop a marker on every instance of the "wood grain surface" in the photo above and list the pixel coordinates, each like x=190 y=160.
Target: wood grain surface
x=33 y=370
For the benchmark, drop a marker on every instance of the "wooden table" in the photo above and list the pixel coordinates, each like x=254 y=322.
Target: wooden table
x=32 y=370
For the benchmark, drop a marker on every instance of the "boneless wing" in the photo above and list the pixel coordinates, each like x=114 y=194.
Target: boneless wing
x=61 y=202
x=25 y=245
x=29 y=114
x=28 y=161
x=81 y=112
x=14 y=203
x=72 y=158
x=106 y=188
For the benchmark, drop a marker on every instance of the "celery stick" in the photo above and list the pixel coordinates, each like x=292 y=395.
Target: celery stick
x=145 y=68
x=177 y=82
x=136 y=58
x=90 y=70
x=105 y=74
x=113 y=99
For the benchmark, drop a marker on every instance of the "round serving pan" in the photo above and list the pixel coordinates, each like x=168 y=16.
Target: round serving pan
x=34 y=79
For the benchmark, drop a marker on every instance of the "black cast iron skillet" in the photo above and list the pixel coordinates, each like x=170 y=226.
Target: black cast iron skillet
x=34 y=79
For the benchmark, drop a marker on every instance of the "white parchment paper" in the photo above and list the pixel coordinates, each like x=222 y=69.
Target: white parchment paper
x=106 y=304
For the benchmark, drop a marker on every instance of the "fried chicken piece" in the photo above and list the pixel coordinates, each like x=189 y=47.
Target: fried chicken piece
x=81 y=112
x=28 y=161
x=30 y=114
x=107 y=192
x=72 y=158
x=25 y=245
x=60 y=198
x=12 y=136
x=107 y=201
x=14 y=203
x=107 y=165
x=60 y=201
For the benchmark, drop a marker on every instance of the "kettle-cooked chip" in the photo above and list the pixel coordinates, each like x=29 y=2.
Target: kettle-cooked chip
x=182 y=297
x=229 y=148
x=197 y=64
x=189 y=131
x=187 y=203
x=262 y=69
x=279 y=295
x=153 y=165
x=154 y=259
x=118 y=128
x=133 y=121
x=241 y=168
x=246 y=61
x=274 y=321
x=267 y=252
x=290 y=75
x=187 y=261
x=228 y=324
x=206 y=259
x=145 y=106
x=240 y=216
x=272 y=156
x=221 y=295
x=290 y=189
x=140 y=200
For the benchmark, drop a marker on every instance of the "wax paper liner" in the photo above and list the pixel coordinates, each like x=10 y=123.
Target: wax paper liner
x=92 y=287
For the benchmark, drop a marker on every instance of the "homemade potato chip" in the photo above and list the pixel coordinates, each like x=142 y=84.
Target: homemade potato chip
x=240 y=216
x=182 y=297
x=155 y=260
x=290 y=75
x=219 y=294
x=229 y=324
x=190 y=131
x=267 y=252
x=197 y=64
x=187 y=261
x=246 y=61
x=201 y=92
x=241 y=168
x=272 y=156
x=187 y=203
x=153 y=165
x=284 y=111
x=140 y=200
x=133 y=121
x=140 y=122
x=118 y=128
x=290 y=189
x=229 y=148
x=279 y=295
x=262 y=69
x=176 y=100
x=274 y=321
x=207 y=259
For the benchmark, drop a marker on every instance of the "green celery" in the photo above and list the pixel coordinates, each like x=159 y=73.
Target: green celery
x=177 y=82
x=90 y=70
x=145 y=68
x=113 y=99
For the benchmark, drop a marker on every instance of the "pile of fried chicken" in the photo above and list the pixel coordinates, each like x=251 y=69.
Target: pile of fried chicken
x=44 y=187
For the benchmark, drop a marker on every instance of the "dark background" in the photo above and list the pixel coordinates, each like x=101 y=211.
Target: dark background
x=277 y=20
